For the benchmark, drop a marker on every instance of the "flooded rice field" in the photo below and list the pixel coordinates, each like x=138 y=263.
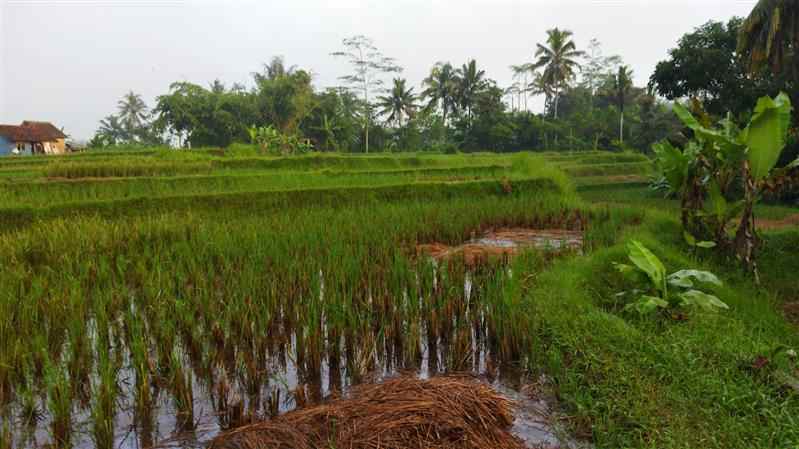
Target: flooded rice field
x=449 y=314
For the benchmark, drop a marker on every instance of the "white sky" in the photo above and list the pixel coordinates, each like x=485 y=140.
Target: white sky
x=69 y=61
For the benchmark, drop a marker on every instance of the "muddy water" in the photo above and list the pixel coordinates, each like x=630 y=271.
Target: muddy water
x=534 y=422
x=504 y=243
x=289 y=383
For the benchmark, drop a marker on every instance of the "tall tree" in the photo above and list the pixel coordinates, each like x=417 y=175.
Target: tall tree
x=440 y=89
x=274 y=69
x=470 y=81
x=559 y=60
x=133 y=113
x=399 y=104
x=621 y=84
x=522 y=73
x=368 y=64
x=111 y=131
x=706 y=65
x=540 y=86
x=597 y=67
x=284 y=100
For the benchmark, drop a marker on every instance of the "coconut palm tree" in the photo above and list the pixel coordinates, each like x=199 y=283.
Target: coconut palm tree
x=470 y=82
x=133 y=113
x=770 y=36
x=441 y=89
x=559 y=61
x=514 y=92
x=522 y=72
x=540 y=86
x=399 y=104
x=112 y=131
x=274 y=69
x=621 y=84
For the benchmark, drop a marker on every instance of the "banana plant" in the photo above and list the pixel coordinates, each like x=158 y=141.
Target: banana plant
x=721 y=173
x=655 y=290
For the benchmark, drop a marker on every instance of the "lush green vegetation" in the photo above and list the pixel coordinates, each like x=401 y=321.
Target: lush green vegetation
x=251 y=275
x=192 y=284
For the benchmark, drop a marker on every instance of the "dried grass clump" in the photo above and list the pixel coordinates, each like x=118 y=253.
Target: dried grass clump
x=403 y=413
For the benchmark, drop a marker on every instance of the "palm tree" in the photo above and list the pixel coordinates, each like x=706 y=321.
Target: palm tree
x=770 y=36
x=274 y=69
x=559 y=61
x=329 y=127
x=112 y=130
x=522 y=72
x=133 y=113
x=217 y=87
x=440 y=91
x=514 y=92
x=540 y=86
x=621 y=84
x=470 y=82
x=399 y=104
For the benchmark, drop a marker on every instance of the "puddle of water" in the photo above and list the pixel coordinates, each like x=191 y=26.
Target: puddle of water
x=503 y=243
x=533 y=422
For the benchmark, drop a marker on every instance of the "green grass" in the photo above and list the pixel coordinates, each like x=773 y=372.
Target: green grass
x=633 y=382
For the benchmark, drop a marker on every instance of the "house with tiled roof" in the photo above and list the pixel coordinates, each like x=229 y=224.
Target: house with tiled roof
x=31 y=138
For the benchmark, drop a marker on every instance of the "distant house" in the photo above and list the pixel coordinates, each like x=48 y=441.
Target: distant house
x=32 y=138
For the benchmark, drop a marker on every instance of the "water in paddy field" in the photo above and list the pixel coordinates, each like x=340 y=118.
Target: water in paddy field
x=290 y=375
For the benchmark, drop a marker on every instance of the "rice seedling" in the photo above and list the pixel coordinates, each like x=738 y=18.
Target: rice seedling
x=59 y=405
x=192 y=288
x=182 y=395
x=105 y=400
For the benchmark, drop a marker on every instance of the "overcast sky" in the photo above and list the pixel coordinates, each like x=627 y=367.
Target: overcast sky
x=69 y=61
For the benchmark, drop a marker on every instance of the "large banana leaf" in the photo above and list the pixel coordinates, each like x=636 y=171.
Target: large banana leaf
x=703 y=300
x=683 y=278
x=673 y=163
x=649 y=263
x=767 y=133
x=725 y=140
x=718 y=206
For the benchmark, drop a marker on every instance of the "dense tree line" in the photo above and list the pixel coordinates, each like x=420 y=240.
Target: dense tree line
x=590 y=99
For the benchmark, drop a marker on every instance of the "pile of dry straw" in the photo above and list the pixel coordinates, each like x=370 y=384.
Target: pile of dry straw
x=403 y=413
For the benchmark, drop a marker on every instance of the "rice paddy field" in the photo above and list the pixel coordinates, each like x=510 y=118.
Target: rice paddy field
x=157 y=298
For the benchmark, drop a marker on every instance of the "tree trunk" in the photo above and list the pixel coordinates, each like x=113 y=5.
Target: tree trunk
x=621 y=127
x=444 y=137
x=746 y=236
x=557 y=97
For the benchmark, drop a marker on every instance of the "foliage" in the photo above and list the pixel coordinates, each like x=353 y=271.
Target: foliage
x=620 y=86
x=368 y=64
x=440 y=90
x=196 y=116
x=597 y=66
x=706 y=65
x=131 y=124
x=770 y=37
x=470 y=82
x=657 y=290
x=559 y=60
x=272 y=141
x=722 y=172
x=400 y=104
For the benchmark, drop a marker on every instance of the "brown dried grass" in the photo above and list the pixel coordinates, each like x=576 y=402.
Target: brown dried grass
x=403 y=413
x=787 y=222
